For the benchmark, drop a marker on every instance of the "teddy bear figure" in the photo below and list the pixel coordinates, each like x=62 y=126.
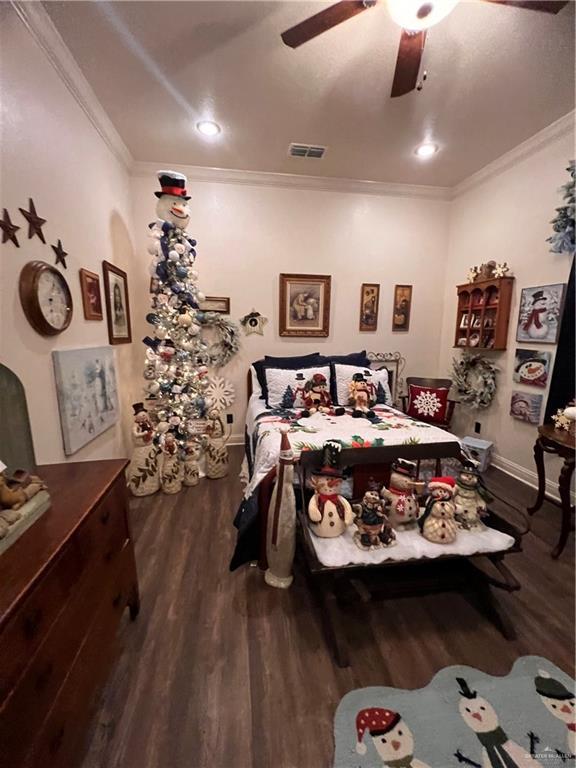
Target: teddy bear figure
x=470 y=498
x=437 y=524
x=317 y=397
x=362 y=396
x=329 y=512
x=374 y=530
x=401 y=496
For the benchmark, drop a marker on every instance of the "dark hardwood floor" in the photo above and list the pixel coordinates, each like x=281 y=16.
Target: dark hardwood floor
x=221 y=671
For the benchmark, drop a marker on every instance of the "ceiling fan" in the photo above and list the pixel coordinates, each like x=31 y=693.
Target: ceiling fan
x=414 y=16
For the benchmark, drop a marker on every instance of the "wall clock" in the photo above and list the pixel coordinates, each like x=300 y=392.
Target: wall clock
x=45 y=298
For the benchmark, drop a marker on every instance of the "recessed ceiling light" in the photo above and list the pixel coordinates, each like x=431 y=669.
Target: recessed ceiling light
x=416 y=15
x=426 y=150
x=208 y=128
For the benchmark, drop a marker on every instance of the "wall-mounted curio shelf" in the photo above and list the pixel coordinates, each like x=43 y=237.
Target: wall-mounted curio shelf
x=483 y=314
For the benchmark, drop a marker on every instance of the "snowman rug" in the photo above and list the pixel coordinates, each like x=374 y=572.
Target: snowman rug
x=464 y=717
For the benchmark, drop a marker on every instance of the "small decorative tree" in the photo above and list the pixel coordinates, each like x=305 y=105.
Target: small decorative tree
x=564 y=238
x=288 y=397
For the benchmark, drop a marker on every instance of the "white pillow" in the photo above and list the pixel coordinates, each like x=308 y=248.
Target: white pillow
x=279 y=379
x=343 y=377
x=256 y=388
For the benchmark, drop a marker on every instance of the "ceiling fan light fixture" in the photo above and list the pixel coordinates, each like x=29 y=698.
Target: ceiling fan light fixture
x=426 y=150
x=208 y=128
x=416 y=15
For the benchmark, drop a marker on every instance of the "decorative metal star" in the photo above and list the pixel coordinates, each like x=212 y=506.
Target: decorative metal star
x=501 y=269
x=60 y=254
x=8 y=229
x=35 y=222
x=253 y=322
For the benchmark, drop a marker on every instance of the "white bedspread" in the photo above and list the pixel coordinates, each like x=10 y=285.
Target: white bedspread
x=342 y=550
x=306 y=434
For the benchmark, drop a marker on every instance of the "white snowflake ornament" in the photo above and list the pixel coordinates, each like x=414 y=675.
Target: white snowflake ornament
x=427 y=403
x=472 y=274
x=221 y=392
x=500 y=270
x=561 y=421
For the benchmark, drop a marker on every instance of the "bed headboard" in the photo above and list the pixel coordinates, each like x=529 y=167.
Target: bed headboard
x=392 y=361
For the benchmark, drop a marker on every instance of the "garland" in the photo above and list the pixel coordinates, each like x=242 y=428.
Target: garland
x=228 y=344
x=475 y=379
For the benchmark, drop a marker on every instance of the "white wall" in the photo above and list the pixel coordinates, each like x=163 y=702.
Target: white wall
x=506 y=218
x=247 y=235
x=51 y=152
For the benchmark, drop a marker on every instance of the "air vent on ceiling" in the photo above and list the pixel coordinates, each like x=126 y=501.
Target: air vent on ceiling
x=306 y=150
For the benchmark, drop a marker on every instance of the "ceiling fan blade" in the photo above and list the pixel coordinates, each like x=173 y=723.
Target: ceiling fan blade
x=544 y=6
x=324 y=20
x=408 y=62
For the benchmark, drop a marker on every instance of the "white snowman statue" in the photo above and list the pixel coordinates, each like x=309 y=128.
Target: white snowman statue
x=497 y=749
x=391 y=737
x=534 y=325
x=329 y=512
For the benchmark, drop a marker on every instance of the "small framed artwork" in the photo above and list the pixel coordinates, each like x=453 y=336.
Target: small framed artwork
x=216 y=304
x=540 y=313
x=91 y=296
x=402 y=307
x=117 y=304
x=531 y=367
x=87 y=394
x=304 y=305
x=369 y=300
x=526 y=407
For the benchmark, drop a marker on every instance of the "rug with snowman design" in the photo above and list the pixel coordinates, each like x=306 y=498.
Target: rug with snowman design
x=463 y=717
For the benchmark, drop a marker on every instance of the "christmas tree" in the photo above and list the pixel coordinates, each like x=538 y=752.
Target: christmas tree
x=564 y=238
x=380 y=394
x=175 y=424
x=288 y=397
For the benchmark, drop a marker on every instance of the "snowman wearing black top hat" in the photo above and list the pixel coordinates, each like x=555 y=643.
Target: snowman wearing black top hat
x=172 y=205
x=559 y=701
x=534 y=325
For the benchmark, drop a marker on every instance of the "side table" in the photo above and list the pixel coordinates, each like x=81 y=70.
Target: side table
x=560 y=443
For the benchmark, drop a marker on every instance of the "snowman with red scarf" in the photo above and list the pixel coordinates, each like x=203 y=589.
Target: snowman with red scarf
x=391 y=737
x=534 y=324
x=329 y=512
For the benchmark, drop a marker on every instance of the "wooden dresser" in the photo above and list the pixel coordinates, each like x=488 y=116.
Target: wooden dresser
x=64 y=586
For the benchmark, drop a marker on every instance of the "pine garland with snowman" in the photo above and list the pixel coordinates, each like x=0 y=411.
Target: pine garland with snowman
x=182 y=414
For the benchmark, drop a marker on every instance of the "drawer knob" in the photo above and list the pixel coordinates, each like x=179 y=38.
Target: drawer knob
x=44 y=677
x=105 y=516
x=32 y=622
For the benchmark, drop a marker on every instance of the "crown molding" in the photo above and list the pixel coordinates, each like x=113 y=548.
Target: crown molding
x=39 y=24
x=535 y=143
x=197 y=174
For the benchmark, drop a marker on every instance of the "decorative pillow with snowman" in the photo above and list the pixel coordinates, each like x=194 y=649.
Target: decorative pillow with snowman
x=342 y=376
x=286 y=388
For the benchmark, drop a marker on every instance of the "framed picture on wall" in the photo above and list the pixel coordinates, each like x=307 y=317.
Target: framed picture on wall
x=540 y=313
x=304 y=305
x=531 y=367
x=402 y=308
x=525 y=406
x=117 y=304
x=219 y=304
x=369 y=300
x=91 y=295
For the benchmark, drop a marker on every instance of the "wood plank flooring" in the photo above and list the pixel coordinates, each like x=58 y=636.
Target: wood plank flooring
x=221 y=671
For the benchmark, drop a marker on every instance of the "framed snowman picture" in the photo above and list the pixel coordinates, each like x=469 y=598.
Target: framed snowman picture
x=540 y=313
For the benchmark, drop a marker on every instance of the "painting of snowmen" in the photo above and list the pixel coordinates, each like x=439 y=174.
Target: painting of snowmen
x=87 y=394
x=540 y=313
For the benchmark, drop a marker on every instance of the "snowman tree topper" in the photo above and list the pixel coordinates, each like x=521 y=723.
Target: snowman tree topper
x=172 y=205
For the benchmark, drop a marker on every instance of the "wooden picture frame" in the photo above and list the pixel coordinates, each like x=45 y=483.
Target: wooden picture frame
x=369 y=301
x=117 y=304
x=304 y=305
x=91 y=295
x=402 y=308
x=219 y=304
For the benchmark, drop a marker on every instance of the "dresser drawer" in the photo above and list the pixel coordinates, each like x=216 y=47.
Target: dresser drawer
x=31 y=621
x=103 y=534
x=28 y=704
x=61 y=736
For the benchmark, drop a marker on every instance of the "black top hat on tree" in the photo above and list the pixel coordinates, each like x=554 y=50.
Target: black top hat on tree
x=172 y=183
x=330 y=459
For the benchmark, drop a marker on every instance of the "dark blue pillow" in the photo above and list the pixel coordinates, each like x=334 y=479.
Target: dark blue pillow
x=288 y=363
x=354 y=358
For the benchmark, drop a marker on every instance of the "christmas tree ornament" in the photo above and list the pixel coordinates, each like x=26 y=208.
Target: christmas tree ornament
x=253 y=322
x=373 y=528
x=437 y=524
x=281 y=524
x=8 y=229
x=60 y=254
x=143 y=473
x=328 y=511
x=564 y=225
x=401 y=496
x=35 y=222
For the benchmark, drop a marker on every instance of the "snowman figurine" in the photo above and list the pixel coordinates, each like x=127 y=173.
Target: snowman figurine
x=437 y=524
x=401 y=496
x=470 y=498
x=391 y=737
x=534 y=325
x=330 y=513
x=559 y=701
x=497 y=749
x=172 y=206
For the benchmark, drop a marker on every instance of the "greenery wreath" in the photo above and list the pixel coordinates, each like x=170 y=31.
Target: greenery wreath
x=475 y=379
x=222 y=351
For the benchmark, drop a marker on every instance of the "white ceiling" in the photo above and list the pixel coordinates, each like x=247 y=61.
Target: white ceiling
x=496 y=76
